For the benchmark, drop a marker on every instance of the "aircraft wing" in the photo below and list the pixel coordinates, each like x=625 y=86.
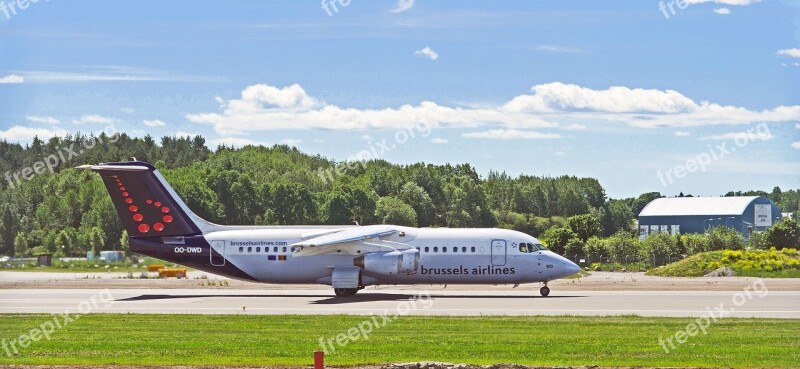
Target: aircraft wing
x=357 y=240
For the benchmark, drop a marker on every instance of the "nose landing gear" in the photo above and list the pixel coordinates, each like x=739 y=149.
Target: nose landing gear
x=544 y=290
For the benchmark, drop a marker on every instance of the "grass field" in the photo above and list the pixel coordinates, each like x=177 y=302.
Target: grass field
x=289 y=340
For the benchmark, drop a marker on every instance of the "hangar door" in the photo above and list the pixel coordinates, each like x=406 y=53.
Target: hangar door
x=499 y=252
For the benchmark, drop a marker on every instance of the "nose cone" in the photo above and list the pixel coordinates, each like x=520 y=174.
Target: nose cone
x=572 y=268
x=567 y=267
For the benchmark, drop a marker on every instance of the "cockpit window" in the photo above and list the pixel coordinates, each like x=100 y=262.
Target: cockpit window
x=531 y=247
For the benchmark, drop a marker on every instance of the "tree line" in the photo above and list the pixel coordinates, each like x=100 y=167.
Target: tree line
x=69 y=212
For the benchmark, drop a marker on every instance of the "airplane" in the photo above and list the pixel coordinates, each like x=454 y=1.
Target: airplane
x=347 y=258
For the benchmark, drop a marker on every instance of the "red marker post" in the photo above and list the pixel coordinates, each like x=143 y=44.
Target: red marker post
x=319 y=360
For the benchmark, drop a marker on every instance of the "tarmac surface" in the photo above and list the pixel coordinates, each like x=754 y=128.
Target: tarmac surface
x=405 y=301
x=598 y=294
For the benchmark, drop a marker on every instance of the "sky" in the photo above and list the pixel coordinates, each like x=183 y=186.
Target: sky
x=695 y=96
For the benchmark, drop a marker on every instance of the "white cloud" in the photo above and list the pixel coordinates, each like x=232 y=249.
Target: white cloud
x=791 y=53
x=575 y=127
x=262 y=107
x=12 y=78
x=511 y=134
x=112 y=73
x=403 y=5
x=25 y=134
x=42 y=119
x=257 y=110
x=427 y=52
x=638 y=107
x=154 y=123
x=93 y=118
x=723 y=11
x=796 y=145
x=682 y=134
x=741 y=136
x=437 y=140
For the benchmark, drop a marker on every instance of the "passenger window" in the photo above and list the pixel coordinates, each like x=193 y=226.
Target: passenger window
x=473 y=248
x=258 y=249
x=284 y=249
x=249 y=249
x=455 y=249
x=275 y=249
x=427 y=249
x=436 y=249
x=464 y=249
x=241 y=249
x=444 y=249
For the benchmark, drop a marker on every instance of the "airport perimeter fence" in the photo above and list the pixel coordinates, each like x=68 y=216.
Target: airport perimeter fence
x=616 y=264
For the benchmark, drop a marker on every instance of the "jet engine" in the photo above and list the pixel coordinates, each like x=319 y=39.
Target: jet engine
x=389 y=263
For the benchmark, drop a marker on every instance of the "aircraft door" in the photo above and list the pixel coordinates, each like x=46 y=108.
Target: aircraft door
x=217 y=253
x=499 y=252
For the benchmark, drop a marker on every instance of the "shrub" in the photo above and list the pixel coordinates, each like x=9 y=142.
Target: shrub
x=722 y=238
x=785 y=234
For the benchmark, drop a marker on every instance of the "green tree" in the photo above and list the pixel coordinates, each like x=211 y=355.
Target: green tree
x=758 y=241
x=623 y=247
x=96 y=240
x=416 y=196
x=557 y=238
x=724 y=238
x=660 y=248
x=20 y=245
x=391 y=210
x=573 y=249
x=784 y=234
x=584 y=225
x=124 y=243
x=595 y=248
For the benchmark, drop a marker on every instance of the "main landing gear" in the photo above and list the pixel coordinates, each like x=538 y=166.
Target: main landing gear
x=345 y=292
x=544 y=290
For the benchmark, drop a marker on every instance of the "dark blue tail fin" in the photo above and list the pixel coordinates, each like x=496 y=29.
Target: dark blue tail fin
x=146 y=204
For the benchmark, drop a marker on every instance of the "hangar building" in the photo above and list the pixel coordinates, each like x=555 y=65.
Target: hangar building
x=745 y=214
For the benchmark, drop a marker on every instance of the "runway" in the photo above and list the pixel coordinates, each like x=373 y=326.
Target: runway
x=405 y=301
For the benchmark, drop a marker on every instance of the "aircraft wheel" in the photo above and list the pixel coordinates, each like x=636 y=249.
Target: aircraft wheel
x=344 y=292
x=544 y=291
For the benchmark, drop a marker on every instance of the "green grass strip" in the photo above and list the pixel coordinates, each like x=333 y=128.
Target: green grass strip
x=131 y=339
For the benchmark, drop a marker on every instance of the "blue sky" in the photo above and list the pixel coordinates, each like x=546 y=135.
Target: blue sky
x=703 y=98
